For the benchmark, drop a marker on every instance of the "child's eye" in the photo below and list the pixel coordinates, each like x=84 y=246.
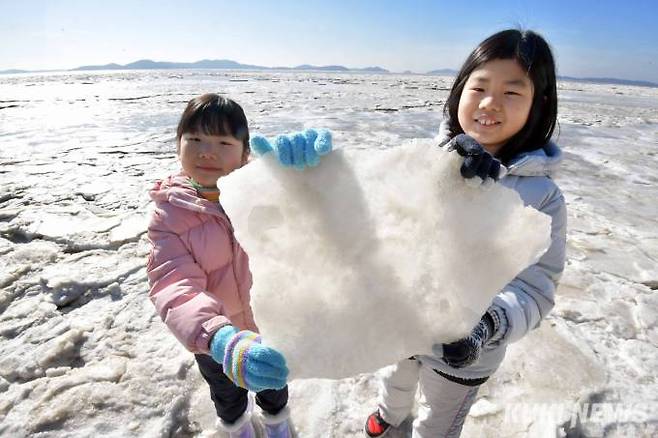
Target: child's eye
x=478 y=89
x=512 y=93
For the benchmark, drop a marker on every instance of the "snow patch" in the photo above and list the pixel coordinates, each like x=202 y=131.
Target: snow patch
x=372 y=249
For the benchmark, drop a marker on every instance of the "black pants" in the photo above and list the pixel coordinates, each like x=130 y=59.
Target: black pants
x=231 y=400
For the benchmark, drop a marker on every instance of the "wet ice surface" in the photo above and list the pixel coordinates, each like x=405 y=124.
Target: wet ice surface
x=83 y=352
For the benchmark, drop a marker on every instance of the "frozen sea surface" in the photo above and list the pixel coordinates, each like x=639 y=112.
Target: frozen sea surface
x=83 y=353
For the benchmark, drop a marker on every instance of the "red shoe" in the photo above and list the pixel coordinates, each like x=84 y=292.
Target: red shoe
x=376 y=426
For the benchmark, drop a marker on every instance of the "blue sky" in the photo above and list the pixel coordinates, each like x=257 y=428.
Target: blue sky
x=590 y=38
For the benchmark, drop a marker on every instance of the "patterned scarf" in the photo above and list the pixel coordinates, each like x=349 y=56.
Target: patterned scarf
x=209 y=193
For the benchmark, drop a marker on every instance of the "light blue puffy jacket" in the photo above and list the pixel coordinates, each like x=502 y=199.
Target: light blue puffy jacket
x=528 y=298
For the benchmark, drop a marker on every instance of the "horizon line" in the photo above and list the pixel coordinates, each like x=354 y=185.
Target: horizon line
x=337 y=68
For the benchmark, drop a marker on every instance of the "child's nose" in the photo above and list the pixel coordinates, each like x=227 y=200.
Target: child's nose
x=205 y=150
x=490 y=102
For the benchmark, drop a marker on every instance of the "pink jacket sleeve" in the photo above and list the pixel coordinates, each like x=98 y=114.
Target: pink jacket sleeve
x=178 y=291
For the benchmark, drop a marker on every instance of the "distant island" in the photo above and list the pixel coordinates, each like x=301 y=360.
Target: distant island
x=8 y=72
x=221 y=64
x=226 y=64
x=612 y=81
x=443 y=72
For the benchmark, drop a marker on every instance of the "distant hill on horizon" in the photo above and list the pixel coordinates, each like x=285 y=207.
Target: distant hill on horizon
x=611 y=81
x=443 y=72
x=13 y=71
x=227 y=64
x=147 y=64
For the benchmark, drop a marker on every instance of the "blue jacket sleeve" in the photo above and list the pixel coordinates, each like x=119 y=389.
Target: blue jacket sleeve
x=528 y=298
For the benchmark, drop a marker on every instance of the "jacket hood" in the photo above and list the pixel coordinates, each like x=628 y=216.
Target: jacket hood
x=177 y=190
x=543 y=161
x=540 y=162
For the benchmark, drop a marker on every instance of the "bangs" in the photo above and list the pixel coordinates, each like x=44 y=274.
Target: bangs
x=210 y=121
x=212 y=114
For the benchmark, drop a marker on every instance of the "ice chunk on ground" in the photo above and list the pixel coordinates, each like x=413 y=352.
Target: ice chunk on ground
x=375 y=255
x=68 y=279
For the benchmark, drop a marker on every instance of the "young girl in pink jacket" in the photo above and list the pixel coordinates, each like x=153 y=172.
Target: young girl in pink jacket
x=199 y=274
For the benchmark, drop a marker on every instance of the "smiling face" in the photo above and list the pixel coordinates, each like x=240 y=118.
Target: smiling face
x=495 y=103
x=206 y=158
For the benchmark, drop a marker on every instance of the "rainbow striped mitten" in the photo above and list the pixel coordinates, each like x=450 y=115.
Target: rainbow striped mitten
x=247 y=362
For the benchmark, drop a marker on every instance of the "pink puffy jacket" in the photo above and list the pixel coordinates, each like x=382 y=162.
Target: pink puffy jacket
x=198 y=273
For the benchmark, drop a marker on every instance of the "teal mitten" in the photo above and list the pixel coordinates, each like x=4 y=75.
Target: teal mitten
x=247 y=362
x=299 y=150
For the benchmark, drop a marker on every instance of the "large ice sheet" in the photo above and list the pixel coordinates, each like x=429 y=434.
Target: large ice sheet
x=375 y=255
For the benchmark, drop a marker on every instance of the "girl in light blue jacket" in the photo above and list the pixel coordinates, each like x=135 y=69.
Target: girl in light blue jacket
x=502 y=109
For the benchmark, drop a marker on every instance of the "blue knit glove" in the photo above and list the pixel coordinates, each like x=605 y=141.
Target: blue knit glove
x=477 y=161
x=247 y=362
x=299 y=150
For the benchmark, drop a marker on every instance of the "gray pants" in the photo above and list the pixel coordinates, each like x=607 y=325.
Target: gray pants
x=443 y=405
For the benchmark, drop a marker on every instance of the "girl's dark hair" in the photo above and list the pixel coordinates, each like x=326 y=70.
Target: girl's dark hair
x=534 y=56
x=213 y=114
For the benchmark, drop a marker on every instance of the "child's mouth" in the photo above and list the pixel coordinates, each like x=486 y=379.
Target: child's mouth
x=487 y=122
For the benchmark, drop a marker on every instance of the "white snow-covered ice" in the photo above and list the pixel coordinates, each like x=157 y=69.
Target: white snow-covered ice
x=83 y=353
x=375 y=256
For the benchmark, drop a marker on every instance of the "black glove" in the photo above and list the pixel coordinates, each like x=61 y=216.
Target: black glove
x=477 y=161
x=467 y=350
